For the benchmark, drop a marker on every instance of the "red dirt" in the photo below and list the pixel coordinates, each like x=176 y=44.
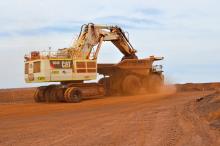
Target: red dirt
x=19 y=95
x=198 y=86
x=163 y=119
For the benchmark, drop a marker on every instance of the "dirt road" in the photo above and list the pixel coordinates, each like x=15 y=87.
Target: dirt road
x=144 y=120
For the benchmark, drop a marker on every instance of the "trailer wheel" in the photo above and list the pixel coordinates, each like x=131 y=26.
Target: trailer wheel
x=73 y=95
x=131 y=85
x=60 y=94
x=66 y=94
x=39 y=94
x=56 y=94
x=49 y=94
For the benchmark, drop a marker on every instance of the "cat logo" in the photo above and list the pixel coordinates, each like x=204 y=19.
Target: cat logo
x=66 y=64
x=61 y=64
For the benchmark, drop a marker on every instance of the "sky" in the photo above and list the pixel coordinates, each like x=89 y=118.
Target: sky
x=186 y=33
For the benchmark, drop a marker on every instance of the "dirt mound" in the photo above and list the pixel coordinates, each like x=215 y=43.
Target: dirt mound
x=198 y=87
x=209 y=108
x=16 y=95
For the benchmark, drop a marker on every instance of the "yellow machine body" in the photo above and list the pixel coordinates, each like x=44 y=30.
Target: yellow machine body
x=50 y=69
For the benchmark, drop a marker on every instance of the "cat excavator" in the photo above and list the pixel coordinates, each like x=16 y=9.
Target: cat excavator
x=72 y=67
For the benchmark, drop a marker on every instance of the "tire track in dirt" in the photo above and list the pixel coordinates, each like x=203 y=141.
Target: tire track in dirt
x=129 y=122
x=137 y=120
x=196 y=130
x=119 y=119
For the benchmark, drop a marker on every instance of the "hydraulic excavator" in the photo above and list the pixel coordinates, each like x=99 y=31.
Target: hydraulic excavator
x=72 y=66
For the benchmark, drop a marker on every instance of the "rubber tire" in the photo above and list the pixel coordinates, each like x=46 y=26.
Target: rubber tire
x=49 y=94
x=53 y=94
x=131 y=85
x=36 y=96
x=39 y=94
x=75 y=95
x=66 y=95
x=60 y=94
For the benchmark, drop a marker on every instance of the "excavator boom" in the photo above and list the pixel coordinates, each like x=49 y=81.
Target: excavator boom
x=92 y=35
